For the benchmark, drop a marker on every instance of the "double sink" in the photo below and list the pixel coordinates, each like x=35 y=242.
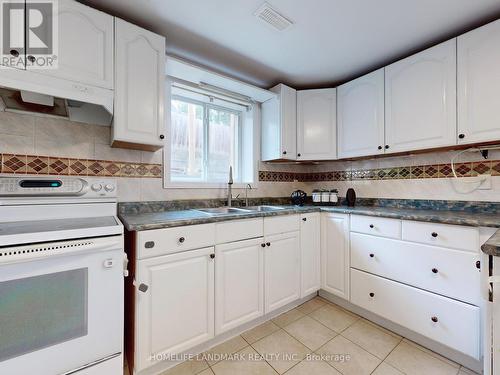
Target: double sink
x=238 y=211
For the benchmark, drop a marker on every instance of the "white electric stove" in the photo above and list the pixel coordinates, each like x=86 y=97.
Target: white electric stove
x=62 y=265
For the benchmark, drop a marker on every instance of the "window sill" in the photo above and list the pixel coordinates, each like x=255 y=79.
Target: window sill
x=204 y=185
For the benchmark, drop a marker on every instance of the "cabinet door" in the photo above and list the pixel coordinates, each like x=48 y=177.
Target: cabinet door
x=279 y=125
x=281 y=270
x=176 y=312
x=478 y=83
x=360 y=120
x=85 y=40
x=420 y=100
x=13 y=12
x=335 y=254
x=317 y=124
x=239 y=283
x=310 y=253
x=139 y=88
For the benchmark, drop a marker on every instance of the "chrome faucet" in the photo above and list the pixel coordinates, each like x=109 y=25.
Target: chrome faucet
x=247 y=187
x=230 y=187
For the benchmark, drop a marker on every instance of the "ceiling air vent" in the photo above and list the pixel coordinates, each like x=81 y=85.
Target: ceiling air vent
x=270 y=16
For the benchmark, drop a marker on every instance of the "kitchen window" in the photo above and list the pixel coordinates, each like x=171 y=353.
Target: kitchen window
x=206 y=139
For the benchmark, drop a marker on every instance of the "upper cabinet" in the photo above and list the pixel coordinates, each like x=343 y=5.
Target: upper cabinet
x=139 y=88
x=420 y=100
x=279 y=125
x=478 y=83
x=317 y=124
x=85 y=39
x=360 y=119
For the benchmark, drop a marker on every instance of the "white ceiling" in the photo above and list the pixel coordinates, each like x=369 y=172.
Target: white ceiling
x=331 y=41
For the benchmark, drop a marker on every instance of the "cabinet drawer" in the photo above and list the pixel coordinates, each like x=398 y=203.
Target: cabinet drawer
x=173 y=240
x=238 y=230
x=377 y=226
x=448 y=272
x=453 y=236
x=449 y=322
x=281 y=224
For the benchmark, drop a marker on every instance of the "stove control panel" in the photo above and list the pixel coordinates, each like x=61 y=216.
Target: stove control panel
x=57 y=186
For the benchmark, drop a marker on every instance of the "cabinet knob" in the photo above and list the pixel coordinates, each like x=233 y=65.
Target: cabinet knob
x=268 y=243
x=478 y=264
x=434 y=234
x=14 y=52
x=212 y=256
x=435 y=270
x=162 y=136
x=31 y=58
x=298 y=155
x=386 y=147
x=143 y=288
x=263 y=245
x=304 y=219
x=434 y=319
x=372 y=294
x=182 y=239
x=284 y=152
x=372 y=226
x=380 y=147
x=372 y=255
x=461 y=136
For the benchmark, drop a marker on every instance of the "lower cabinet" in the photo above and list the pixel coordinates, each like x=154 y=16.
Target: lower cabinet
x=174 y=303
x=310 y=253
x=239 y=283
x=444 y=320
x=335 y=254
x=282 y=270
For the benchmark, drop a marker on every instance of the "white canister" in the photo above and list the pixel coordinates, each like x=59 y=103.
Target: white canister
x=325 y=196
x=334 y=196
x=316 y=196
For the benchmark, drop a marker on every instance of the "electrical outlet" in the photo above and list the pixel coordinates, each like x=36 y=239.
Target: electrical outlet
x=486 y=184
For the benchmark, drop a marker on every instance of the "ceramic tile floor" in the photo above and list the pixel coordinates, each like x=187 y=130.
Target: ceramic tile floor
x=319 y=338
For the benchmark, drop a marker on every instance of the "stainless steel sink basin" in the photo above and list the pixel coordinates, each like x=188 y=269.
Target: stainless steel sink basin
x=223 y=210
x=264 y=208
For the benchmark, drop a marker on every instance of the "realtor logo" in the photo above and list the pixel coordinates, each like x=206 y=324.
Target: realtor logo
x=29 y=34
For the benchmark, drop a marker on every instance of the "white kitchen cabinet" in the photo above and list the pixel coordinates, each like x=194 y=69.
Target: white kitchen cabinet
x=279 y=125
x=360 y=118
x=310 y=252
x=239 y=283
x=478 y=80
x=175 y=309
x=85 y=46
x=317 y=124
x=335 y=254
x=139 y=88
x=281 y=270
x=420 y=100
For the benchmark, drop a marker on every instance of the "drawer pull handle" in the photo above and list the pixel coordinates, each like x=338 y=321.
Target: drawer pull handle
x=434 y=270
x=371 y=226
x=304 y=219
x=434 y=234
x=263 y=245
x=268 y=243
x=149 y=244
x=182 y=239
x=372 y=255
x=212 y=256
x=434 y=319
x=372 y=294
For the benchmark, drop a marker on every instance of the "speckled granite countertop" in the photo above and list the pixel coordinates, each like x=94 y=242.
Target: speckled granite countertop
x=138 y=221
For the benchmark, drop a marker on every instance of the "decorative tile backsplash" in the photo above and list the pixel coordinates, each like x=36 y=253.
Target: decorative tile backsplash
x=48 y=165
x=468 y=169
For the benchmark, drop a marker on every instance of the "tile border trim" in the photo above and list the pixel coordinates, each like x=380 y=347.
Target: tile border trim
x=61 y=166
x=466 y=169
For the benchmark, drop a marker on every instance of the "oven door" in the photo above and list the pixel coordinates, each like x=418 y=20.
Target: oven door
x=63 y=312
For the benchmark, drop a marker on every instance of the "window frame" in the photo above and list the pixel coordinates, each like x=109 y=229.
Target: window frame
x=168 y=183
